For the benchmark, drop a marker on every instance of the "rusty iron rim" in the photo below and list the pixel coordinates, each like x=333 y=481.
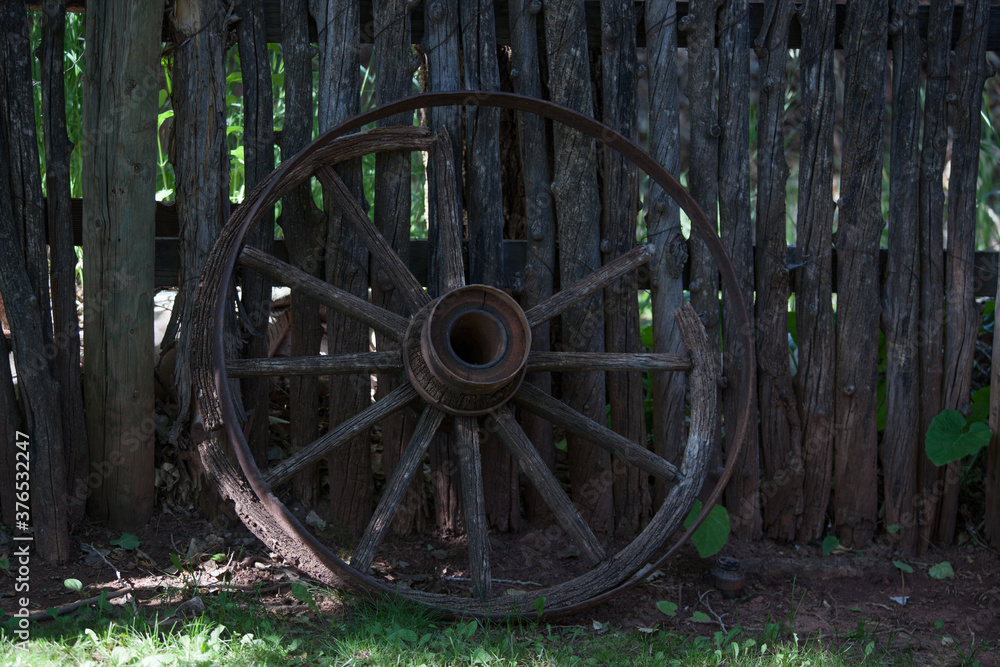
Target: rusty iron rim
x=555 y=112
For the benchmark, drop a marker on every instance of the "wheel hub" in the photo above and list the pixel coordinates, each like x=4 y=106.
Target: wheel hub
x=466 y=351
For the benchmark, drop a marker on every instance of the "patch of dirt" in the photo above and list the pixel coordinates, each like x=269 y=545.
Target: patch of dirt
x=844 y=597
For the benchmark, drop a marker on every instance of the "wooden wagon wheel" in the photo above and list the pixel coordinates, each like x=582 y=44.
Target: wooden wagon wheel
x=464 y=356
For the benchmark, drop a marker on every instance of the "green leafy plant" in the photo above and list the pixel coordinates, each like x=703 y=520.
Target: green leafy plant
x=539 y=605
x=951 y=437
x=74 y=585
x=713 y=532
x=830 y=542
x=127 y=541
x=903 y=567
x=942 y=570
x=667 y=607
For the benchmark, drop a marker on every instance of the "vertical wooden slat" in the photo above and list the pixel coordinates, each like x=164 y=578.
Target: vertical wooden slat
x=991 y=467
x=780 y=427
x=63 y=258
x=578 y=211
x=346 y=266
x=931 y=333
x=743 y=492
x=484 y=205
x=540 y=221
x=901 y=290
x=860 y=225
x=814 y=381
x=620 y=203
x=121 y=82
x=23 y=272
x=703 y=182
x=305 y=235
x=962 y=314
x=442 y=42
x=392 y=219
x=258 y=161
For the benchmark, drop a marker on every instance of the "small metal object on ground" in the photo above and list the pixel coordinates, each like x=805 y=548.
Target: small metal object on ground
x=728 y=577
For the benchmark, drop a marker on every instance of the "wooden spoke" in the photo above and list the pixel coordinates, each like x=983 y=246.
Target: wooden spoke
x=534 y=400
x=449 y=214
x=567 y=298
x=473 y=504
x=548 y=487
x=380 y=319
x=600 y=361
x=398 y=398
x=395 y=491
x=337 y=364
x=381 y=251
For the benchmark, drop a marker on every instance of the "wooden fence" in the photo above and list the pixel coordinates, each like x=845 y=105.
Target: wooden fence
x=820 y=463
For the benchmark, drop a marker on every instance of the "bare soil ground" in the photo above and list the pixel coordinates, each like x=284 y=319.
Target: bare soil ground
x=846 y=596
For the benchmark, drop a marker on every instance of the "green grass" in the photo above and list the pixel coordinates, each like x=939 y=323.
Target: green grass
x=236 y=629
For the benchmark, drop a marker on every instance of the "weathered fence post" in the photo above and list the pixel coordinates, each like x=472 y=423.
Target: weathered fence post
x=121 y=83
x=859 y=228
x=780 y=426
x=901 y=289
x=814 y=381
x=578 y=212
x=932 y=160
x=743 y=492
x=63 y=258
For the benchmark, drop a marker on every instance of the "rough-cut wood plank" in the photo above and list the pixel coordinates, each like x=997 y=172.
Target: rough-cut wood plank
x=578 y=211
x=814 y=382
x=399 y=398
x=605 y=361
x=21 y=238
x=664 y=229
x=258 y=140
x=338 y=96
x=201 y=163
x=902 y=437
x=587 y=285
x=305 y=235
x=442 y=44
x=559 y=413
x=538 y=275
x=698 y=27
x=743 y=491
x=780 y=427
x=381 y=320
x=473 y=504
x=339 y=364
x=962 y=313
x=66 y=325
x=395 y=490
x=620 y=196
x=859 y=227
x=932 y=160
x=119 y=165
x=484 y=209
x=538 y=473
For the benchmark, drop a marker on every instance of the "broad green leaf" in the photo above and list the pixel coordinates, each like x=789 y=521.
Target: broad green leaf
x=561 y=445
x=980 y=406
x=830 y=542
x=892 y=528
x=539 y=605
x=667 y=607
x=646 y=334
x=700 y=617
x=903 y=567
x=948 y=440
x=127 y=541
x=713 y=532
x=942 y=570
x=74 y=585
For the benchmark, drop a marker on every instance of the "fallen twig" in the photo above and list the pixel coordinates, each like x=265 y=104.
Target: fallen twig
x=704 y=603
x=72 y=606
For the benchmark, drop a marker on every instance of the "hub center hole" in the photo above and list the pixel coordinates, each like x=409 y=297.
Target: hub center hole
x=477 y=338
